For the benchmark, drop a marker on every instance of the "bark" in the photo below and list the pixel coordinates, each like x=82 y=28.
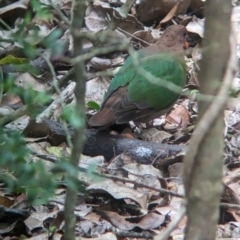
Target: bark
x=204 y=160
x=103 y=143
x=108 y=145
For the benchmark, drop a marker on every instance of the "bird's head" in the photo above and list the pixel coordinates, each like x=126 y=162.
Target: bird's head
x=174 y=37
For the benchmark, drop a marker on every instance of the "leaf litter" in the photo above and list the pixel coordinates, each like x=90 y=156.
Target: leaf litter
x=135 y=195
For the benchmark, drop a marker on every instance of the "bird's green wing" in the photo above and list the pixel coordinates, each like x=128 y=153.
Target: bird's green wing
x=146 y=99
x=125 y=75
x=153 y=92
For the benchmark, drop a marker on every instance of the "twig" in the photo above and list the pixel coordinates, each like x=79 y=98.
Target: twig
x=131 y=35
x=59 y=101
x=94 y=52
x=17 y=114
x=115 y=178
x=230 y=206
x=63 y=80
x=100 y=37
x=61 y=15
x=1 y=85
x=5 y=25
x=161 y=190
x=125 y=8
x=78 y=13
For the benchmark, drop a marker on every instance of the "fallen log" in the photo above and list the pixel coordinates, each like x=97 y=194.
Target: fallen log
x=103 y=143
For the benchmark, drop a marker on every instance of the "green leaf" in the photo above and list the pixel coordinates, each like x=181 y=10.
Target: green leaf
x=22 y=236
x=51 y=39
x=67 y=113
x=52 y=229
x=9 y=59
x=93 y=105
x=41 y=11
x=29 y=50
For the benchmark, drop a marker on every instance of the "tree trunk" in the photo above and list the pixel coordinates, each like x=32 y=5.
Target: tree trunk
x=204 y=160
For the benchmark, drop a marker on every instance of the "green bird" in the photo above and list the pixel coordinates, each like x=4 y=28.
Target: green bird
x=133 y=97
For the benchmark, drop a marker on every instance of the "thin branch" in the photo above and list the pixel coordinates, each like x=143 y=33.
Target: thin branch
x=78 y=13
x=230 y=206
x=12 y=117
x=68 y=91
x=61 y=15
x=123 y=46
x=5 y=25
x=112 y=177
x=63 y=80
x=132 y=36
x=125 y=8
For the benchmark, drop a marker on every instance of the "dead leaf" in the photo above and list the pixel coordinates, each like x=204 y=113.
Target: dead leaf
x=100 y=63
x=5 y=201
x=19 y=124
x=151 y=220
x=179 y=116
x=235 y=87
x=142 y=169
x=118 y=221
x=96 y=89
x=5 y=111
x=10 y=99
x=12 y=11
x=37 y=83
x=196 y=26
x=115 y=166
x=170 y=15
x=154 y=135
x=145 y=38
x=130 y=25
x=151 y=10
x=106 y=236
x=176 y=170
x=98 y=17
x=16 y=228
x=231 y=118
x=233 y=104
x=231 y=193
x=119 y=192
x=42 y=236
x=235 y=140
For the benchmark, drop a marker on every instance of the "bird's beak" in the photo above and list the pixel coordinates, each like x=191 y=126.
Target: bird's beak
x=185 y=44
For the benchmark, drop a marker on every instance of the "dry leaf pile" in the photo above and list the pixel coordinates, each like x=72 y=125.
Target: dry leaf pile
x=142 y=190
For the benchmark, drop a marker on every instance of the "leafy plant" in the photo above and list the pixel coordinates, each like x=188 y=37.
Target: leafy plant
x=20 y=172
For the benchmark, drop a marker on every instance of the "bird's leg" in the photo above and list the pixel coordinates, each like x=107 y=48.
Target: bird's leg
x=149 y=124
x=135 y=129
